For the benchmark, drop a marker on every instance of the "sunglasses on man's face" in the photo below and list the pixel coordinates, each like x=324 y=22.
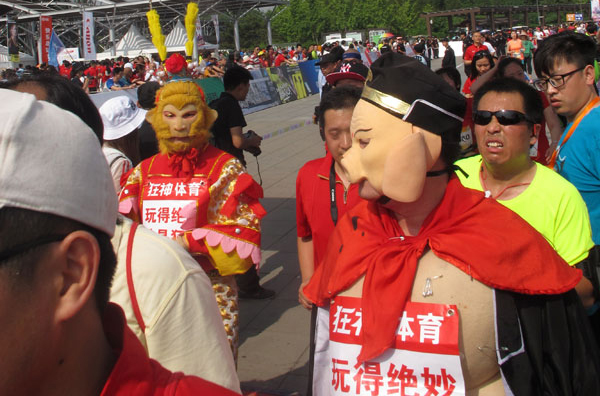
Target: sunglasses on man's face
x=504 y=117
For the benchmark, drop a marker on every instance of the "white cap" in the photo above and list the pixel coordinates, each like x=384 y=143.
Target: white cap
x=120 y=117
x=52 y=162
x=128 y=65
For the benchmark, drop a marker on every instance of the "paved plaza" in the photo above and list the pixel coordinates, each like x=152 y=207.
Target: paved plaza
x=274 y=334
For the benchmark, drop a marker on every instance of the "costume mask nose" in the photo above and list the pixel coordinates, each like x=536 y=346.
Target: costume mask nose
x=352 y=165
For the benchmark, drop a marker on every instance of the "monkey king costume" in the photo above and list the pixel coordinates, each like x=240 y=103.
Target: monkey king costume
x=198 y=194
x=471 y=300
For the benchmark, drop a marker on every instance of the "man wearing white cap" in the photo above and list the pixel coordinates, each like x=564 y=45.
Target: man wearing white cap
x=121 y=118
x=59 y=333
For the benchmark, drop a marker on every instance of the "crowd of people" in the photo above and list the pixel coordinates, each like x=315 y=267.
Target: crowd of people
x=447 y=240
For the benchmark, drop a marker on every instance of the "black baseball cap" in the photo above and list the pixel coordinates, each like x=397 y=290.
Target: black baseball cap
x=349 y=70
x=335 y=55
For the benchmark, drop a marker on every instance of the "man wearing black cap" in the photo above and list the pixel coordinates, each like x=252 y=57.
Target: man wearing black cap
x=328 y=63
x=422 y=289
x=349 y=73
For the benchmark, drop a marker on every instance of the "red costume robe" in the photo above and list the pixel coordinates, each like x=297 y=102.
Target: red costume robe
x=207 y=197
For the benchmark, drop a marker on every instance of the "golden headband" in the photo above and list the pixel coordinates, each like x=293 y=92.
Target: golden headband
x=388 y=102
x=398 y=107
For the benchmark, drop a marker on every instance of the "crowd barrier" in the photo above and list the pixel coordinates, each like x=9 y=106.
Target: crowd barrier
x=269 y=87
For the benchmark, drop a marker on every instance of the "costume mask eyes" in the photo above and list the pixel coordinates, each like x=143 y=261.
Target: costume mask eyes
x=363 y=143
x=364 y=138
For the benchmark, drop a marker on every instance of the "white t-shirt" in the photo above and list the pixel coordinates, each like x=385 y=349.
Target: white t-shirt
x=119 y=165
x=184 y=330
x=490 y=47
x=151 y=76
x=421 y=59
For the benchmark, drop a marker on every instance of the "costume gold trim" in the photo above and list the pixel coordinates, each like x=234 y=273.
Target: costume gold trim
x=215 y=163
x=386 y=101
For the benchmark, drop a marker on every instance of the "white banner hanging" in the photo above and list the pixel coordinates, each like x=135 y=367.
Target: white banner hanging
x=215 y=21
x=89 y=48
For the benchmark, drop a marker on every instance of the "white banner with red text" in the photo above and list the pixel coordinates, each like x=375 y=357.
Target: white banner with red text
x=89 y=48
x=164 y=198
x=424 y=359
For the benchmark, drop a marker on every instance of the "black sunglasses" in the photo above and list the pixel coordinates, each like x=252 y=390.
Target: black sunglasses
x=504 y=117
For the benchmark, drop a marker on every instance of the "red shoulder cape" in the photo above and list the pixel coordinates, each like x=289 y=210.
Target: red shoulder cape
x=478 y=235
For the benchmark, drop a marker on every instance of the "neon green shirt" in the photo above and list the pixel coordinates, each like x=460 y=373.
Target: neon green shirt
x=550 y=204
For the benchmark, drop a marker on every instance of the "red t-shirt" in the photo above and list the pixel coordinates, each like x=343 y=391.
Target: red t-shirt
x=102 y=72
x=64 y=71
x=279 y=59
x=136 y=374
x=467 y=87
x=472 y=49
x=92 y=72
x=313 y=204
x=542 y=143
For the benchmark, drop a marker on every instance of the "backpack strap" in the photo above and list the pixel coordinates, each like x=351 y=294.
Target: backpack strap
x=116 y=158
x=134 y=302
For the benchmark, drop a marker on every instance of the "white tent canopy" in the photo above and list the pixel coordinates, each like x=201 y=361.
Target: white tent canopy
x=175 y=41
x=132 y=44
x=5 y=63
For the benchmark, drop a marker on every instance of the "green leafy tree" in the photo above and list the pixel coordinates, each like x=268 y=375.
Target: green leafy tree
x=307 y=21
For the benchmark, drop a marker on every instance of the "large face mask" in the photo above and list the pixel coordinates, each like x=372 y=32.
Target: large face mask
x=388 y=156
x=181 y=118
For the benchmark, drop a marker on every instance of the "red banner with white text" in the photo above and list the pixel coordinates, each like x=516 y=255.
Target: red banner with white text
x=45 y=34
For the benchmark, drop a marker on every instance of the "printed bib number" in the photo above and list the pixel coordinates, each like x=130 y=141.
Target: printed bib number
x=164 y=199
x=424 y=360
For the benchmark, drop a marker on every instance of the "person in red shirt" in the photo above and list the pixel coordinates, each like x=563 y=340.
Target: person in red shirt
x=482 y=63
x=319 y=202
x=472 y=49
x=104 y=72
x=323 y=193
x=281 y=58
x=92 y=74
x=65 y=69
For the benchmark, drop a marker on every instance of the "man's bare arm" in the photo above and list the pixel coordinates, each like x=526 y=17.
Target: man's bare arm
x=242 y=142
x=307 y=267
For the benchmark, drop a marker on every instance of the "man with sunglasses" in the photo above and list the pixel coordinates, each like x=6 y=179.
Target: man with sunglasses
x=58 y=210
x=507 y=114
x=565 y=62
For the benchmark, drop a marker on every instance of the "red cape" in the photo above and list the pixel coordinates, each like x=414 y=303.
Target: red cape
x=478 y=235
